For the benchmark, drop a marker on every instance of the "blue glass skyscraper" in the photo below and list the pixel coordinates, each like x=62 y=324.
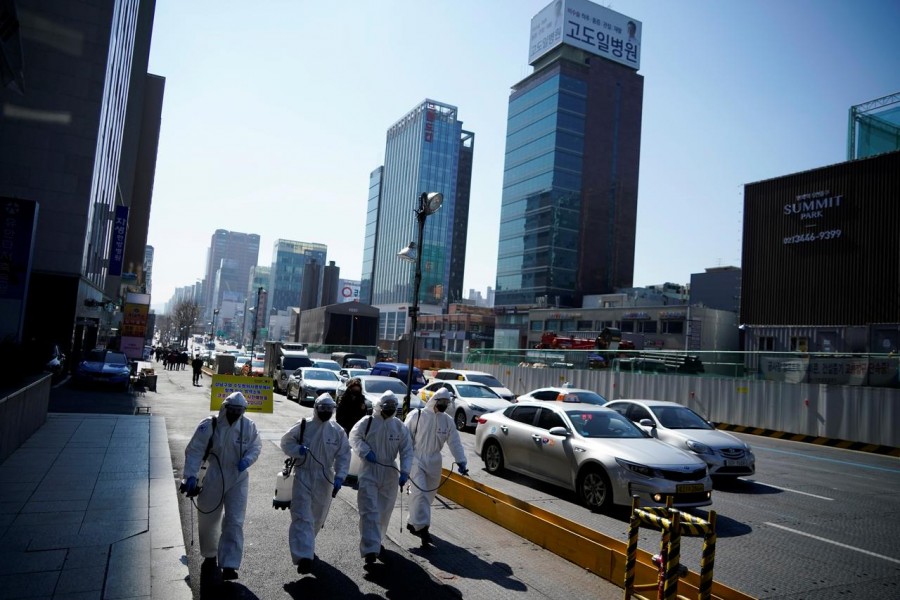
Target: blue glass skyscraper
x=426 y=151
x=569 y=205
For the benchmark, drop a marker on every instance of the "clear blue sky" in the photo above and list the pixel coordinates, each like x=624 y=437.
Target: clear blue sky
x=275 y=113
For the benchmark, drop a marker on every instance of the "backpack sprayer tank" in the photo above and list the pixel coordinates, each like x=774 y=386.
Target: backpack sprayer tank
x=284 y=486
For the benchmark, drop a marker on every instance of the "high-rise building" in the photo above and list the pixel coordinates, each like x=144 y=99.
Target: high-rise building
x=78 y=134
x=372 y=209
x=332 y=274
x=230 y=257
x=289 y=262
x=426 y=151
x=569 y=204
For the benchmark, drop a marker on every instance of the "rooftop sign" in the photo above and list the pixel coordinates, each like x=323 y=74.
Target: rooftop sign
x=588 y=26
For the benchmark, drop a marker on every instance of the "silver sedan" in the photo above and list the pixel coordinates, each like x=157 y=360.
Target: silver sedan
x=592 y=450
x=725 y=454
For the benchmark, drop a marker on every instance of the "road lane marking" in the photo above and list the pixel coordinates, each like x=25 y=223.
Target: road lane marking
x=827 y=541
x=831 y=460
x=784 y=489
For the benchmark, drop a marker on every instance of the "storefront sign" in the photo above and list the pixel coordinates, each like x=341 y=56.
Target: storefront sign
x=117 y=252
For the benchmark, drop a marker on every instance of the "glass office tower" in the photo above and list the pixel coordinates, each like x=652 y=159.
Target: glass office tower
x=426 y=151
x=569 y=204
x=289 y=262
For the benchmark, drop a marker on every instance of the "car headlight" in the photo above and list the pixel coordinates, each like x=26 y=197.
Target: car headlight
x=697 y=447
x=637 y=468
x=478 y=408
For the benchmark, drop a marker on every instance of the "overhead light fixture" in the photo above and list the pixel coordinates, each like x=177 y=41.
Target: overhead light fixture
x=409 y=253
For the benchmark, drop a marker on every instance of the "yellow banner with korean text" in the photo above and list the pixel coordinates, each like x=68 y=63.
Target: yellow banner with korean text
x=257 y=391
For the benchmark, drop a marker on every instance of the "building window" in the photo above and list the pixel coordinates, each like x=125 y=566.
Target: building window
x=474 y=327
x=627 y=326
x=552 y=325
x=585 y=325
x=673 y=327
x=537 y=326
x=799 y=344
x=766 y=344
x=568 y=325
x=647 y=327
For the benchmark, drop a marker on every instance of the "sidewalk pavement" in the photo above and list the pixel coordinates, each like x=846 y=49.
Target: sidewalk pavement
x=88 y=510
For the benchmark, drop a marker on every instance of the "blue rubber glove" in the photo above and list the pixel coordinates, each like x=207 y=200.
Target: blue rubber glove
x=404 y=477
x=338 y=483
x=303 y=450
x=242 y=466
x=462 y=468
x=190 y=485
x=370 y=456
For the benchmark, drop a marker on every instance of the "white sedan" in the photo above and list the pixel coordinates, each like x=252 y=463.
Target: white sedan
x=724 y=454
x=598 y=453
x=470 y=400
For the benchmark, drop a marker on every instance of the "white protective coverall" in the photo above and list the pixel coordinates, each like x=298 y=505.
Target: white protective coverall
x=429 y=430
x=224 y=487
x=327 y=457
x=378 y=484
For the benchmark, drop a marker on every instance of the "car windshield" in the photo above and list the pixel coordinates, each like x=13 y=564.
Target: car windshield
x=488 y=380
x=584 y=397
x=679 y=417
x=379 y=387
x=603 y=424
x=257 y=364
x=295 y=362
x=476 y=391
x=328 y=364
x=320 y=374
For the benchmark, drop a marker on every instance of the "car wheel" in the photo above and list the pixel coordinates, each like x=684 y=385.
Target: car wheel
x=493 y=457
x=594 y=489
x=460 y=420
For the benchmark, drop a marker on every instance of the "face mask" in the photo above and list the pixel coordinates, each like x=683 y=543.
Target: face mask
x=324 y=415
x=441 y=406
x=387 y=413
x=232 y=415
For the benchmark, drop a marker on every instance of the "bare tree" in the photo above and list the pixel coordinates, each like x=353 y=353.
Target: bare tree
x=183 y=318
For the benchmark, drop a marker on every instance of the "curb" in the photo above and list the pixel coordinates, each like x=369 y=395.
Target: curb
x=812 y=439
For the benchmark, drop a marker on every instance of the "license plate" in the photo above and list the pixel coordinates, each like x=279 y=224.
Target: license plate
x=689 y=488
x=736 y=463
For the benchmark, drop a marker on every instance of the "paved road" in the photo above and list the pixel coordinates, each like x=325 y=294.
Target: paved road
x=472 y=558
x=815 y=522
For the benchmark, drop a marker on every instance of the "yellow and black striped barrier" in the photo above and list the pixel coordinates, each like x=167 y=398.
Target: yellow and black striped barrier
x=673 y=523
x=605 y=556
x=812 y=439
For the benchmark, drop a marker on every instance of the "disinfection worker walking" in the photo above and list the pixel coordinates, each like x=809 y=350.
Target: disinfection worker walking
x=378 y=439
x=232 y=444
x=430 y=428
x=322 y=455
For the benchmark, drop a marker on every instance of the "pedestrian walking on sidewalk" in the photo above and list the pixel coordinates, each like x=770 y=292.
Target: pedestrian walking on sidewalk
x=379 y=439
x=351 y=405
x=430 y=428
x=197 y=366
x=322 y=456
x=231 y=443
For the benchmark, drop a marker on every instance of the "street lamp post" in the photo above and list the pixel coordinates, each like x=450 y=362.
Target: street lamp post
x=259 y=291
x=429 y=203
x=212 y=333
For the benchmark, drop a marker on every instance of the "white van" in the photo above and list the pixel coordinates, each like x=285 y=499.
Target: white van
x=478 y=377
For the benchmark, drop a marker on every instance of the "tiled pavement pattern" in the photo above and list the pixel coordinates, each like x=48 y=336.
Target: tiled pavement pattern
x=88 y=510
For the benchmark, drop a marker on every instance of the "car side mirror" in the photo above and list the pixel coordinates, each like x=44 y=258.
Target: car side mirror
x=560 y=431
x=646 y=423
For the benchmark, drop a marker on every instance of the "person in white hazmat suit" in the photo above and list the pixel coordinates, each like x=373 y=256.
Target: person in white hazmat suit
x=323 y=456
x=430 y=428
x=233 y=444
x=378 y=439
